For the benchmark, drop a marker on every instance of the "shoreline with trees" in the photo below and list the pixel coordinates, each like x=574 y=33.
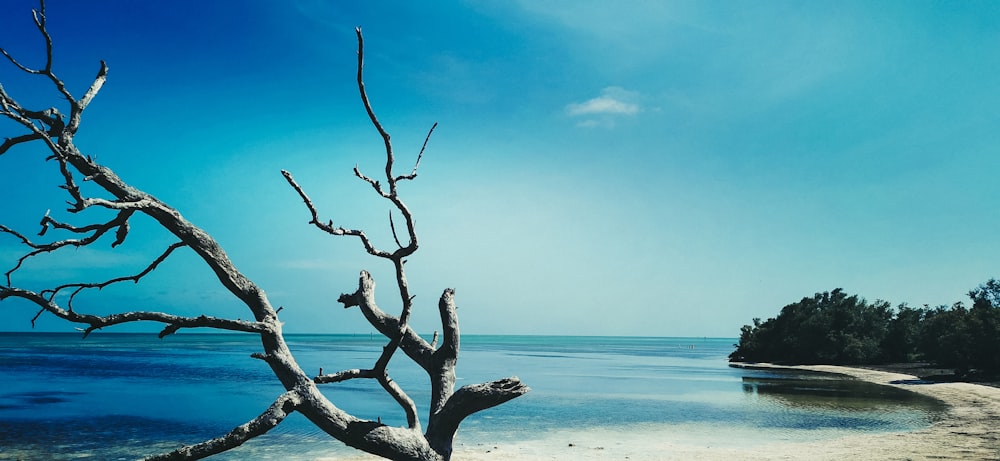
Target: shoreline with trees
x=833 y=328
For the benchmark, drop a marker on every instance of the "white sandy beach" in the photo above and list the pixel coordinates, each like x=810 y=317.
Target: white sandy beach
x=968 y=430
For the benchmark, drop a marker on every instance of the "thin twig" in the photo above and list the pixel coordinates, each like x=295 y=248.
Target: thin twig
x=416 y=165
x=78 y=287
x=392 y=226
x=328 y=226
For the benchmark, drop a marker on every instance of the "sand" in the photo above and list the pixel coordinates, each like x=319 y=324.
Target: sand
x=967 y=430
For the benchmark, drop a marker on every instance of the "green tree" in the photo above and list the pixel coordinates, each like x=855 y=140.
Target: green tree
x=901 y=339
x=836 y=328
x=967 y=339
x=829 y=327
x=944 y=337
x=984 y=327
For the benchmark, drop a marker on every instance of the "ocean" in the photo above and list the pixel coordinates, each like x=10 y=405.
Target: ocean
x=122 y=395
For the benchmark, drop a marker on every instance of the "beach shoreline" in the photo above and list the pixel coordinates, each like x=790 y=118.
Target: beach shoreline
x=966 y=430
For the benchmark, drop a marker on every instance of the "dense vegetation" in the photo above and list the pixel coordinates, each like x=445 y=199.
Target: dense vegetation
x=836 y=328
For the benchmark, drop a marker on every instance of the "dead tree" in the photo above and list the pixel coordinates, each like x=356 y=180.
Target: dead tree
x=107 y=218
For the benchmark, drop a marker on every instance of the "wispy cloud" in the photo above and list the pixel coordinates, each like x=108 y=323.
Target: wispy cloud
x=602 y=110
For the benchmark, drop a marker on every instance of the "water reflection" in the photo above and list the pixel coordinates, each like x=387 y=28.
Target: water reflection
x=822 y=391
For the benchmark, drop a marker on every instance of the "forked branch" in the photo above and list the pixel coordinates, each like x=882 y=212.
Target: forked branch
x=381 y=375
x=365 y=296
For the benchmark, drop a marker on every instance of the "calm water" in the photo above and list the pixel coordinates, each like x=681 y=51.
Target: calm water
x=119 y=396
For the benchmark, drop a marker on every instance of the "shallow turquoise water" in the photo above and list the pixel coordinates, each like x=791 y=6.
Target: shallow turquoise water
x=118 y=396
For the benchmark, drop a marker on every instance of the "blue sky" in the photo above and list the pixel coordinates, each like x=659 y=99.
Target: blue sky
x=626 y=168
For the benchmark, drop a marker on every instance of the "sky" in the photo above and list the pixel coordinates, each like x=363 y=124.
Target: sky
x=638 y=167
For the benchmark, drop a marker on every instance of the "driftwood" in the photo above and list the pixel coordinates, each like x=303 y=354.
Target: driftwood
x=57 y=128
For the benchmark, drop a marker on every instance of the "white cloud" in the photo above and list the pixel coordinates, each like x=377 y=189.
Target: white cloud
x=613 y=100
x=602 y=111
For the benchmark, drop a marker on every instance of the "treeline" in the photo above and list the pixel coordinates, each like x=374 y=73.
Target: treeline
x=840 y=329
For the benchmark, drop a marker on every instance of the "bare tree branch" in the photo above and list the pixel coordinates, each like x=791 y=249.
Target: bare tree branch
x=120 y=220
x=50 y=117
x=468 y=400
x=371 y=115
x=20 y=66
x=450 y=336
x=391 y=194
x=56 y=131
x=285 y=405
x=416 y=165
x=375 y=184
x=38 y=15
x=392 y=226
x=100 y=285
x=97 y=322
x=98 y=230
x=142 y=204
x=27 y=118
x=11 y=142
x=102 y=76
x=379 y=374
x=365 y=295
x=328 y=226
x=411 y=343
x=445 y=357
x=397 y=393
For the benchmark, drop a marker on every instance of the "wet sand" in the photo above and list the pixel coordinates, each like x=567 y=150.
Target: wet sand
x=967 y=430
